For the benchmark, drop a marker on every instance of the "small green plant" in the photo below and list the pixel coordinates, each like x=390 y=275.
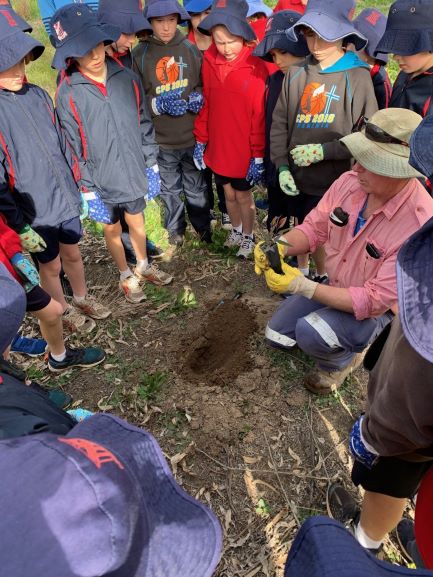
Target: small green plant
x=150 y=385
x=262 y=508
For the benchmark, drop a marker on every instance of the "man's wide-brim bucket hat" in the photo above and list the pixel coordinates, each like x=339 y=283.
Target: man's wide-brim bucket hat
x=160 y=8
x=75 y=31
x=100 y=501
x=276 y=37
x=372 y=24
x=15 y=44
x=126 y=14
x=233 y=15
x=409 y=29
x=331 y=20
x=384 y=158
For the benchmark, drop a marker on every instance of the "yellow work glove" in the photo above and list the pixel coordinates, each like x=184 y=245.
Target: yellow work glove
x=261 y=262
x=292 y=281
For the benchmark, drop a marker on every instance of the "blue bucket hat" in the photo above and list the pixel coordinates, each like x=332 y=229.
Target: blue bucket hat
x=100 y=501
x=159 y=8
x=276 y=37
x=324 y=547
x=233 y=15
x=372 y=24
x=127 y=15
x=409 y=29
x=75 y=30
x=197 y=6
x=331 y=20
x=257 y=7
x=7 y=11
x=12 y=307
x=15 y=44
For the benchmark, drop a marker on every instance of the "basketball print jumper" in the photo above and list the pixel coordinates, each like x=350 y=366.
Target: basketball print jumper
x=319 y=107
x=165 y=67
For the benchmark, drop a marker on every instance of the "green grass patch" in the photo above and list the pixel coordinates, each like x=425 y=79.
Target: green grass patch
x=150 y=385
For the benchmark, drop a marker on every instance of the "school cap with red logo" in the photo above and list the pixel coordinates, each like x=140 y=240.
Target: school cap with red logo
x=100 y=501
x=15 y=19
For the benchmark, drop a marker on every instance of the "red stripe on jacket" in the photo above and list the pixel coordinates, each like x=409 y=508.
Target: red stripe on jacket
x=80 y=127
x=11 y=171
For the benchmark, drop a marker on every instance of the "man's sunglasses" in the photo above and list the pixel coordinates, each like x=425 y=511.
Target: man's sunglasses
x=375 y=133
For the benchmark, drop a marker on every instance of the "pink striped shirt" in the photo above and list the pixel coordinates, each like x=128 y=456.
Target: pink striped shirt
x=371 y=281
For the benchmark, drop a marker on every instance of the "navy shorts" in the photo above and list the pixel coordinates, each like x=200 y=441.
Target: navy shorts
x=37 y=299
x=116 y=210
x=237 y=183
x=67 y=232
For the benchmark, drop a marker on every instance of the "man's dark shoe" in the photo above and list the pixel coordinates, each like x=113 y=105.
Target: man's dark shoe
x=205 y=236
x=341 y=505
x=405 y=533
x=176 y=239
x=85 y=358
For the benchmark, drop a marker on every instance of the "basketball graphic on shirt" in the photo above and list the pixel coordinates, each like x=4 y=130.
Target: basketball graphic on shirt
x=167 y=70
x=313 y=99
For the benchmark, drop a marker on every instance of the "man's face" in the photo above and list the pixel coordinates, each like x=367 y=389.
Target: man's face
x=93 y=63
x=13 y=78
x=164 y=27
x=376 y=184
x=416 y=63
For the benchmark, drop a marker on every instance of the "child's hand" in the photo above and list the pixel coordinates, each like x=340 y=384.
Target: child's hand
x=170 y=103
x=198 y=155
x=287 y=183
x=153 y=182
x=26 y=270
x=84 y=208
x=256 y=171
x=195 y=102
x=97 y=210
x=306 y=154
x=31 y=240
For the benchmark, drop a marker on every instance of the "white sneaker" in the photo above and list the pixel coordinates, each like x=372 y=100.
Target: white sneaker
x=246 y=247
x=233 y=239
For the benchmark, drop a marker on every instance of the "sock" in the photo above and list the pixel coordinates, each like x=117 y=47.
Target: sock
x=79 y=299
x=305 y=271
x=124 y=274
x=59 y=358
x=142 y=265
x=248 y=235
x=238 y=228
x=364 y=540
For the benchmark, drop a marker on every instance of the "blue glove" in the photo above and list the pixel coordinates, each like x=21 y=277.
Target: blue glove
x=79 y=414
x=170 y=103
x=195 y=102
x=97 y=210
x=358 y=448
x=256 y=171
x=26 y=270
x=153 y=182
x=198 y=155
x=84 y=208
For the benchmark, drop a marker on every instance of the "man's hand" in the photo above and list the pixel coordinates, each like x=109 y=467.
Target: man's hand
x=153 y=182
x=198 y=155
x=256 y=171
x=31 y=240
x=291 y=281
x=306 y=154
x=195 y=102
x=261 y=261
x=357 y=446
x=287 y=182
x=26 y=270
x=170 y=103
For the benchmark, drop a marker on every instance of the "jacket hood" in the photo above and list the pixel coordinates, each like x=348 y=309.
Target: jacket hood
x=347 y=62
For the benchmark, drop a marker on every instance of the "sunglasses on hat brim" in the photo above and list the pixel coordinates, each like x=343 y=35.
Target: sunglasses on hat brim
x=376 y=133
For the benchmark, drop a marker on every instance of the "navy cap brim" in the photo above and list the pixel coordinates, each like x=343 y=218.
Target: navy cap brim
x=236 y=26
x=197 y=6
x=183 y=537
x=128 y=22
x=328 y=29
x=161 y=8
x=281 y=42
x=405 y=42
x=79 y=45
x=17 y=46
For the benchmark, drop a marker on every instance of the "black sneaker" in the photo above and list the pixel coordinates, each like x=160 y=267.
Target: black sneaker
x=205 y=236
x=226 y=223
x=405 y=533
x=86 y=358
x=153 y=251
x=341 y=505
x=56 y=396
x=318 y=278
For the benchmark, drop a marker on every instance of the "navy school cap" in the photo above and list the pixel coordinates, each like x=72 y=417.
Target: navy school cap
x=233 y=15
x=372 y=24
x=160 y=8
x=7 y=11
x=197 y=6
x=276 y=37
x=15 y=44
x=127 y=15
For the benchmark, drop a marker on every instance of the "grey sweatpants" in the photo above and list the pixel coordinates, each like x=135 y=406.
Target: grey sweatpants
x=329 y=336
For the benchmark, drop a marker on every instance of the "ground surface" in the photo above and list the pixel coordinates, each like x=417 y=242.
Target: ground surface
x=241 y=432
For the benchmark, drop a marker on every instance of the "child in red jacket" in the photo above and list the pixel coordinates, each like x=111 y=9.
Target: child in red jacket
x=230 y=129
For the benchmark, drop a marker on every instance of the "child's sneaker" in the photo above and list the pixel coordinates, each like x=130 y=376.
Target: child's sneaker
x=132 y=290
x=247 y=247
x=29 y=347
x=92 y=308
x=233 y=239
x=226 y=223
x=154 y=275
x=85 y=358
x=73 y=321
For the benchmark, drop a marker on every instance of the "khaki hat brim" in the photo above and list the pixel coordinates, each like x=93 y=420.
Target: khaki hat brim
x=380 y=158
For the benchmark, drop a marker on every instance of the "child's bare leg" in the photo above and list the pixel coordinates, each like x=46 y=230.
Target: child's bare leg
x=50 y=280
x=70 y=255
x=113 y=240
x=50 y=321
x=303 y=262
x=137 y=234
x=320 y=259
x=233 y=208
x=247 y=209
